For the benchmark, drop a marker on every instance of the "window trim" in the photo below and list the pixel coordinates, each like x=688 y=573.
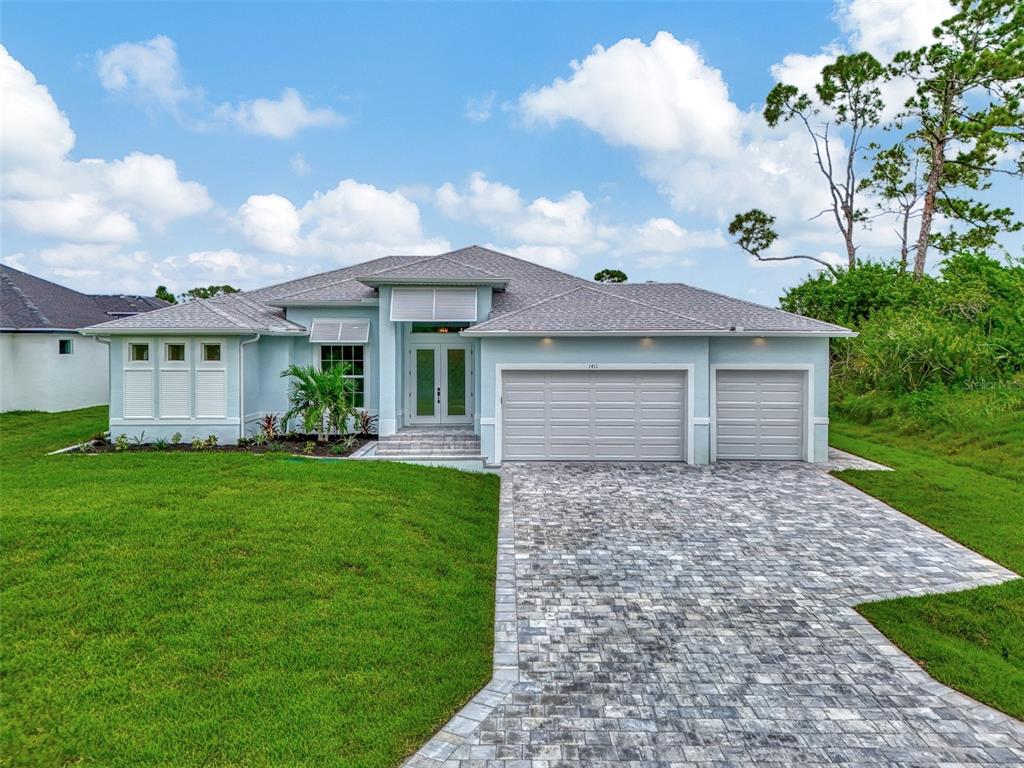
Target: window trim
x=202 y=353
x=60 y=347
x=129 y=361
x=165 y=346
x=366 y=366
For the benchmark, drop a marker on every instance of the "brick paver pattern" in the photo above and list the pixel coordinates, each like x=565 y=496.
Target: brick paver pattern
x=672 y=615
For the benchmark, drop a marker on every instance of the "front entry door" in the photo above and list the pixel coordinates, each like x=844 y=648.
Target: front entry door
x=440 y=390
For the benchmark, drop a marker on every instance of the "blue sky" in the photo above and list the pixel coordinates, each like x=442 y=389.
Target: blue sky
x=249 y=142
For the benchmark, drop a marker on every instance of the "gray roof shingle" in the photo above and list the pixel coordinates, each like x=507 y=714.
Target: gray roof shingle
x=30 y=302
x=536 y=299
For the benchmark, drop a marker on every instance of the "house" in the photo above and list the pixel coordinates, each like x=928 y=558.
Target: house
x=44 y=364
x=524 y=362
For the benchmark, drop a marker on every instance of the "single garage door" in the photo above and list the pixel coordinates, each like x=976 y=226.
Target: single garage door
x=760 y=415
x=591 y=415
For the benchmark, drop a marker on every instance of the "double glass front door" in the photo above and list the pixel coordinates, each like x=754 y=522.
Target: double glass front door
x=441 y=390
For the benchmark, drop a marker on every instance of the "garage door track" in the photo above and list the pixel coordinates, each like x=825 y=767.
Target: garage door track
x=702 y=616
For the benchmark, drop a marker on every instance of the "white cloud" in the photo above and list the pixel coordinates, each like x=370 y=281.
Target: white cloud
x=665 y=236
x=479 y=108
x=802 y=70
x=352 y=220
x=884 y=28
x=278 y=118
x=89 y=200
x=541 y=222
x=299 y=165
x=659 y=97
x=150 y=72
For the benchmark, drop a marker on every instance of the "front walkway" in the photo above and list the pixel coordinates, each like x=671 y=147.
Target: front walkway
x=701 y=616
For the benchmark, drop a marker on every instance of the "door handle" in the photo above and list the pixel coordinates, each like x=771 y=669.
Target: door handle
x=438 y=394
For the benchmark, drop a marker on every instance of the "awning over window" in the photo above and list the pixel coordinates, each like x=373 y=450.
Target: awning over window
x=338 y=331
x=433 y=304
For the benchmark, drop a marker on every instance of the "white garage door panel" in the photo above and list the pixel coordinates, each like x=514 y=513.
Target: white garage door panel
x=760 y=415
x=593 y=415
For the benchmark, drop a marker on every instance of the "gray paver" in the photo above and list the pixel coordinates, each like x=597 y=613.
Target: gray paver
x=670 y=615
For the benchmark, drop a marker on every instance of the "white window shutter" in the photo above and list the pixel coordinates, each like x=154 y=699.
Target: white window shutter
x=354 y=332
x=211 y=394
x=324 y=331
x=138 y=394
x=433 y=305
x=174 y=394
x=455 y=304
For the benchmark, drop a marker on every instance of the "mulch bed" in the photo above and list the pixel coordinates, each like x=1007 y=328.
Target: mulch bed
x=302 y=445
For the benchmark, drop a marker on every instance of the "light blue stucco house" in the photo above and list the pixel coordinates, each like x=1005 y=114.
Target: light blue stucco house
x=476 y=355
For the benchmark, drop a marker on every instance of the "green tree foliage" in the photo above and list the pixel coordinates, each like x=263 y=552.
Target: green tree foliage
x=320 y=399
x=610 y=276
x=162 y=293
x=208 y=292
x=960 y=329
x=755 y=232
x=850 y=98
x=965 y=115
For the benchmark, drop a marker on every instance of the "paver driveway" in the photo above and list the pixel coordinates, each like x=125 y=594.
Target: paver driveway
x=669 y=614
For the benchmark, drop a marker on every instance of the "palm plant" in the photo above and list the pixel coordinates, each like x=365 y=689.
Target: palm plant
x=321 y=399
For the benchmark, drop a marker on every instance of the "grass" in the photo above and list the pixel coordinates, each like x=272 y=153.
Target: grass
x=226 y=609
x=968 y=483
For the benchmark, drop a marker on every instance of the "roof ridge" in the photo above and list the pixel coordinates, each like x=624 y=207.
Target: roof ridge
x=29 y=304
x=529 y=306
x=325 y=272
x=208 y=303
x=319 y=287
x=654 y=306
x=524 y=261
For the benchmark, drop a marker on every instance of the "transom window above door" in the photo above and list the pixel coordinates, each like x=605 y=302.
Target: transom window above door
x=353 y=357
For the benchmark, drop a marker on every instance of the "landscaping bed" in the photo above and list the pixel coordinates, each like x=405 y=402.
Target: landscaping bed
x=336 y=446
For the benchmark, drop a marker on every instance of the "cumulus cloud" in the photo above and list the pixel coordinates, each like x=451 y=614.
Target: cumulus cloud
x=150 y=72
x=884 y=28
x=90 y=200
x=659 y=97
x=350 y=221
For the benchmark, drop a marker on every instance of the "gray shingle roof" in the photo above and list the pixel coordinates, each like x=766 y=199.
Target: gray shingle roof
x=30 y=302
x=536 y=299
x=234 y=313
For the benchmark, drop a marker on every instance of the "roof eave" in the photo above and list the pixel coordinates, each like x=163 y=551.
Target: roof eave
x=99 y=330
x=722 y=333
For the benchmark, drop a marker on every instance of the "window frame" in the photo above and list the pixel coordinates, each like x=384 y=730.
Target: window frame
x=70 y=347
x=166 y=362
x=130 y=360
x=202 y=353
x=365 y=376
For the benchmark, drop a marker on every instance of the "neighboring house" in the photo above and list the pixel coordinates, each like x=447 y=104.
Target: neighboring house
x=44 y=364
x=538 y=363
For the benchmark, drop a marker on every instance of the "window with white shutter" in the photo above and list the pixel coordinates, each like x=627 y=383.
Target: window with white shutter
x=338 y=330
x=211 y=393
x=174 y=394
x=138 y=394
x=433 y=304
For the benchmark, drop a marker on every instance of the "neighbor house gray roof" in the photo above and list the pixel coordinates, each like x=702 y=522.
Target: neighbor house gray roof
x=534 y=300
x=28 y=302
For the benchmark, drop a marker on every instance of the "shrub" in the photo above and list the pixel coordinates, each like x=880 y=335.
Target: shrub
x=309 y=447
x=367 y=424
x=121 y=443
x=160 y=444
x=176 y=438
x=268 y=425
x=322 y=399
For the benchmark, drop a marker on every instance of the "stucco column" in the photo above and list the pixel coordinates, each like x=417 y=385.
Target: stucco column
x=387 y=420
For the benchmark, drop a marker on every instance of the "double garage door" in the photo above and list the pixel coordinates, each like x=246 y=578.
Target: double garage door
x=604 y=415
x=593 y=415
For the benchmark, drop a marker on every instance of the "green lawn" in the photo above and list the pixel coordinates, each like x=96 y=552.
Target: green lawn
x=229 y=609
x=968 y=483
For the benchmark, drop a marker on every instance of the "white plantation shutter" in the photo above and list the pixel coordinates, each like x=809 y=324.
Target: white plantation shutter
x=211 y=393
x=174 y=394
x=138 y=394
x=429 y=305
